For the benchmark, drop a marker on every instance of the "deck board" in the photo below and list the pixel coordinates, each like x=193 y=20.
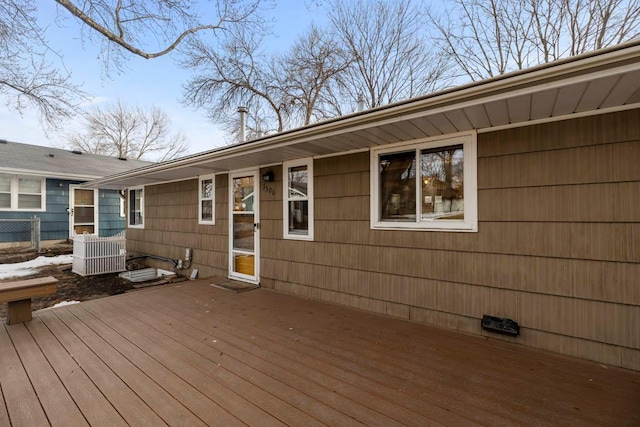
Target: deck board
x=224 y=402
x=357 y=372
x=436 y=361
x=416 y=377
x=133 y=409
x=89 y=399
x=192 y=354
x=235 y=376
x=309 y=376
x=184 y=392
x=154 y=396
x=219 y=384
x=4 y=415
x=56 y=401
x=23 y=405
x=325 y=405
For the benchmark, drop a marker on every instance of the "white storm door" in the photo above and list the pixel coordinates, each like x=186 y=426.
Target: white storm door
x=244 y=228
x=83 y=211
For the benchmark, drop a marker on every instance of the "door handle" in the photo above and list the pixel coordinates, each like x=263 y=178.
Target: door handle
x=256 y=226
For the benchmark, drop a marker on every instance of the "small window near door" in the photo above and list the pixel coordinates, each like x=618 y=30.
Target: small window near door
x=206 y=209
x=298 y=199
x=136 y=207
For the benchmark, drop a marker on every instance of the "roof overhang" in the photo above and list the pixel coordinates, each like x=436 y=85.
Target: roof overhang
x=594 y=83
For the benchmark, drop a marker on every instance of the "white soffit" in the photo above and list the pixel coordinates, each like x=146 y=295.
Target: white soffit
x=593 y=83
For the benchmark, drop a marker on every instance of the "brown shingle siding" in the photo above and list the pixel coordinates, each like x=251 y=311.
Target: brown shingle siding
x=556 y=248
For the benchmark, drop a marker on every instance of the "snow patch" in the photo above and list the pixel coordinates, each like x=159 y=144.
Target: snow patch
x=20 y=269
x=63 y=303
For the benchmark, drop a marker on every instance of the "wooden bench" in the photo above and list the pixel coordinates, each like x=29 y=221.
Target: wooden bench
x=19 y=293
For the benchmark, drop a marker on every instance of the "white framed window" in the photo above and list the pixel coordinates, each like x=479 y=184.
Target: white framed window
x=298 y=199
x=206 y=196
x=429 y=184
x=5 y=192
x=22 y=193
x=136 y=207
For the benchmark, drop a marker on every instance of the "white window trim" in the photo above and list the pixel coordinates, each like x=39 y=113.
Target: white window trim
x=14 y=191
x=129 y=190
x=308 y=162
x=470 y=222
x=201 y=178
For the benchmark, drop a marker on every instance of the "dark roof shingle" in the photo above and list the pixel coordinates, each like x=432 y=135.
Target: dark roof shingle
x=52 y=162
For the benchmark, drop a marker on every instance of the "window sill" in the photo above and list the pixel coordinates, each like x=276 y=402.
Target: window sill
x=458 y=227
x=306 y=237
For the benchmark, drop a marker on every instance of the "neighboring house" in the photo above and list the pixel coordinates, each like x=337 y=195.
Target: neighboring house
x=515 y=197
x=43 y=182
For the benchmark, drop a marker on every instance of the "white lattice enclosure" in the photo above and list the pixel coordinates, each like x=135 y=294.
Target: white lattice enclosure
x=99 y=255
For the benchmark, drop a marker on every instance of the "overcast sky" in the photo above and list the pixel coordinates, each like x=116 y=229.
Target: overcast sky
x=146 y=82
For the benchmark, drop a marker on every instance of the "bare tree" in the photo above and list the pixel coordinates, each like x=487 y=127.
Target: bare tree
x=378 y=50
x=313 y=68
x=389 y=49
x=28 y=76
x=132 y=133
x=237 y=73
x=492 y=37
x=154 y=28
x=595 y=24
x=280 y=91
x=32 y=74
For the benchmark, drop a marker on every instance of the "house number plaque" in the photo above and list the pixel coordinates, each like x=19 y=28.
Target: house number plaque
x=269 y=189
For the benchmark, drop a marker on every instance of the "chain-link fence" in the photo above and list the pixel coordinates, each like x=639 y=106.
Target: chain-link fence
x=20 y=233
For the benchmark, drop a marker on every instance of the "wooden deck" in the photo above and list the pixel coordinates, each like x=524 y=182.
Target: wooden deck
x=190 y=354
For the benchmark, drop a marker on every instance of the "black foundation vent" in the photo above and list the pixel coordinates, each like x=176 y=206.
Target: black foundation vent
x=500 y=325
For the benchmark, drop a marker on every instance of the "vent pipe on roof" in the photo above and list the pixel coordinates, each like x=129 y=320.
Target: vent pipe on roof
x=243 y=122
x=361 y=103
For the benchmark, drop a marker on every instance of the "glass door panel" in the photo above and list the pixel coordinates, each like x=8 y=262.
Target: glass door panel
x=243 y=230
x=83 y=211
